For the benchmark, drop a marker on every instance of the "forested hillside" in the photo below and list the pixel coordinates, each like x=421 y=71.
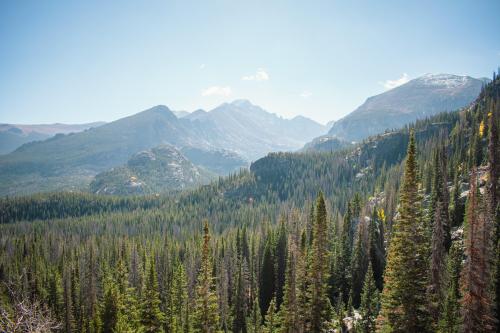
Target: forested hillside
x=397 y=234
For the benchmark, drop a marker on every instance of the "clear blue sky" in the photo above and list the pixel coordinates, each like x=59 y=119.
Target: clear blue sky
x=81 y=61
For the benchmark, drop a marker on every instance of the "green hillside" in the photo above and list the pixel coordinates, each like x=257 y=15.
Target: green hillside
x=372 y=236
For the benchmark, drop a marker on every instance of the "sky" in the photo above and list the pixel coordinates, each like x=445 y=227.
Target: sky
x=83 y=61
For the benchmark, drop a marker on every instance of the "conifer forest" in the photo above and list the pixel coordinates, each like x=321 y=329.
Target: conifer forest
x=398 y=233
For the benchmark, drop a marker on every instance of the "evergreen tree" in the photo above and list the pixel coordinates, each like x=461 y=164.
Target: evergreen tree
x=404 y=303
x=69 y=319
x=289 y=312
x=319 y=307
x=358 y=268
x=450 y=315
x=369 y=302
x=206 y=315
x=281 y=253
x=129 y=312
x=240 y=311
x=255 y=318
x=376 y=246
x=152 y=318
x=178 y=318
x=267 y=277
x=272 y=324
x=343 y=261
x=109 y=313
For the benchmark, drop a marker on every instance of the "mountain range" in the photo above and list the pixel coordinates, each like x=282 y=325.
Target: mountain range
x=219 y=142
x=13 y=136
x=222 y=140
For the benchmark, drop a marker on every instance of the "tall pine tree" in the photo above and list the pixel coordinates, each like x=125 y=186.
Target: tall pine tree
x=320 y=308
x=404 y=302
x=206 y=314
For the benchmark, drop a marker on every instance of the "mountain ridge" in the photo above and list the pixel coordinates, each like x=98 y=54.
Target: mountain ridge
x=418 y=98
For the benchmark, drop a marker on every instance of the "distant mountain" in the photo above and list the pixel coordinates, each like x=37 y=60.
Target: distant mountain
x=13 y=136
x=70 y=162
x=251 y=131
x=157 y=170
x=416 y=99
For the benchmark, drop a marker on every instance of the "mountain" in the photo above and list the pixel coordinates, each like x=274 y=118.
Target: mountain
x=416 y=99
x=158 y=170
x=70 y=162
x=251 y=131
x=13 y=136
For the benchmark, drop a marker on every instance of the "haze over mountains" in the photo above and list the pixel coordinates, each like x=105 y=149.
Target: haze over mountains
x=217 y=142
x=14 y=135
x=234 y=134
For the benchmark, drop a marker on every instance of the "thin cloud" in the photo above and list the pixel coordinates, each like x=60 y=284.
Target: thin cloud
x=202 y=66
x=216 y=91
x=390 y=84
x=261 y=75
x=305 y=94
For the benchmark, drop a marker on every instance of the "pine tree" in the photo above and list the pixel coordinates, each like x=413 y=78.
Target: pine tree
x=477 y=314
x=178 y=318
x=319 y=307
x=109 y=313
x=240 y=311
x=69 y=319
x=369 y=302
x=289 y=311
x=450 y=315
x=152 y=317
x=129 y=313
x=404 y=303
x=267 y=277
x=343 y=261
x=358 y=268
x=206 y=315
x=281 y=252
x=271 y=324
x=255 y=318
x=376 y=246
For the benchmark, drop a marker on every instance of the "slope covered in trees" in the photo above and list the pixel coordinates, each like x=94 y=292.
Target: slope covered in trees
x=398 y=234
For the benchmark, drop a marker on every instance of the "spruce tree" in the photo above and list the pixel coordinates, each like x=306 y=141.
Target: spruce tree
x=206 y=314
x=376 y=246
x=449 y=321
x=152 y=318
x=267 y=277
x=178 y=313
x=358 y=268
x=320 y=308
x=272 y=323
x=369 y=302
x=240 y=310
x=109 y=313
x=404 y=303
x=281 y=260
x=289 y=311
